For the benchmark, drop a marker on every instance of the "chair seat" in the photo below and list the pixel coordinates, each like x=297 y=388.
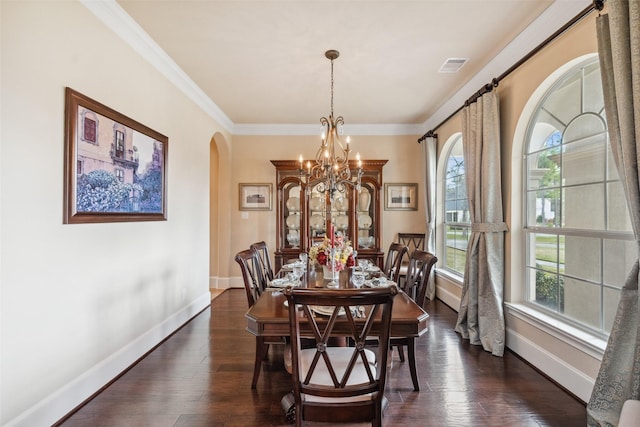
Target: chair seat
x=340 y=357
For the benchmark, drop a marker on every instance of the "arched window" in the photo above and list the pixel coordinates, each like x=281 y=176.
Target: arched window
x=456 y=210
x=578 y=240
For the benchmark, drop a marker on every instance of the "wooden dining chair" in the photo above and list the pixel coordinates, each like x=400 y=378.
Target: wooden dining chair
x=265 y=273
x=339 y=384
x=250 y=265
x=420 y=265
x=396 y=253
x=412 y=241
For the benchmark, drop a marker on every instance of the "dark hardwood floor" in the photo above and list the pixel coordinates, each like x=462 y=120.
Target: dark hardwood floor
x=201 y=376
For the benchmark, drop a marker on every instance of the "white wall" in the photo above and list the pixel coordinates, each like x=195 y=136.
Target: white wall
x=79 y=303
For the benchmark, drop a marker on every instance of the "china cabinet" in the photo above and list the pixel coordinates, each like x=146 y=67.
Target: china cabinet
x=304 y=214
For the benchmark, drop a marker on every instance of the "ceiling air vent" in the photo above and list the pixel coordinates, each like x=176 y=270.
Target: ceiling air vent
x=452 y=65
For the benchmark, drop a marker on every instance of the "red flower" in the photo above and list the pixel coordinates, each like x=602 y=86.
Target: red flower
x=322 y=258
x=350 y=261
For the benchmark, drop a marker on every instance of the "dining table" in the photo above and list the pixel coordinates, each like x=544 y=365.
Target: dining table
x=268 y=318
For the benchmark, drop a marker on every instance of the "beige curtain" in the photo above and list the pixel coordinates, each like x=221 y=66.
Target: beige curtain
x=429 y=197
x=481 y=315
x=619 y=49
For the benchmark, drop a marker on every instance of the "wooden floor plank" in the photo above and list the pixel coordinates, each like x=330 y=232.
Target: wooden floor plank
x=201 y=376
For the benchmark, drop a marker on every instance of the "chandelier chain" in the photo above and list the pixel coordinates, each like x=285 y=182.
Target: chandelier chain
x=332 y=88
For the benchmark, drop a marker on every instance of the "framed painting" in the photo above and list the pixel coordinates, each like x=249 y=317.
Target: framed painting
x=255 y=197
x=401 y=197
x=115 y=167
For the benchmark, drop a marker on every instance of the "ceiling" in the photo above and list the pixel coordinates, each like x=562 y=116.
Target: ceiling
x=262 y=62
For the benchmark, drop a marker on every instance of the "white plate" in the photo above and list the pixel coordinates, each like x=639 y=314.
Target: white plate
x=326 y=311
x=282 y=282
x=375 y=283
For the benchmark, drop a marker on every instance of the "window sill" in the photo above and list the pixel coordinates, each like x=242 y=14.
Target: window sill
x=451 y=277
x=577 y=338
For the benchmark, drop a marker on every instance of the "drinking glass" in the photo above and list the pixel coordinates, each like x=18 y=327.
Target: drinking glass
x=303 y=256
x=298 y=271
x=358 y=280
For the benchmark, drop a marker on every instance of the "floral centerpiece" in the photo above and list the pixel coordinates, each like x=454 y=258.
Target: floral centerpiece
x=333 y=253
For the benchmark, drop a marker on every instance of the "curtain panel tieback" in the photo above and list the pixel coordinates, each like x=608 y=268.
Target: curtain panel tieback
x=489 y=227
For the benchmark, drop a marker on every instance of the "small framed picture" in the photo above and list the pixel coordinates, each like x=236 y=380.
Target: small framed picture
x=401 y=197
x=255 y=197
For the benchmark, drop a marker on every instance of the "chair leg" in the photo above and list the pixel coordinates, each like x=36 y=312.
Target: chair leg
x=260 y=354
x=411 y=349
x=401 y=352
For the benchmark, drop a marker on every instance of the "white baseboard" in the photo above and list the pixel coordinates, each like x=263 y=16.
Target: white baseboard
x=225 y=282
x=448 y=298
x=561 y=372
x=57 y=405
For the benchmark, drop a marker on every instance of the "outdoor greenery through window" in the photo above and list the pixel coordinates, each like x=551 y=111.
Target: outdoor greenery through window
x=579 y=245
x=456 y=215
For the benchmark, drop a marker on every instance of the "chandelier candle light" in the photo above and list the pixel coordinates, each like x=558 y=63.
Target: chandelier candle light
x=331 y=170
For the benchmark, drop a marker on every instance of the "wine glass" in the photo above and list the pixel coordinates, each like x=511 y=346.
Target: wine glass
x=357 y=279
x=303 y=256
x=298 y=271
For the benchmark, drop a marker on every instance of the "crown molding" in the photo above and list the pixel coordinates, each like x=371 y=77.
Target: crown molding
x=121 y=23
x=316 y=129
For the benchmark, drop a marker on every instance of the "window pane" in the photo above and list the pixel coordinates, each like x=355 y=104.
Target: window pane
x=593 y=99
x=583 y=162
x=612 y=170
x=582 y=302
x=584 y=207
x=619 y=256
x=565 y=101
x=548 y=291
x=582 y=257
x=545 y=252
x=544 y=170
x=456 y=245
x=610 y=306
x=543 y=206
x=617 y=208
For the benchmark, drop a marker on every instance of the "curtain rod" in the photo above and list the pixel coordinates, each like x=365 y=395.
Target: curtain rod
x=597 y=4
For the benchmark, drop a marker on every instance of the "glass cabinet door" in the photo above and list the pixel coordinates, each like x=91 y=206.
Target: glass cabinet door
x=340 y=213
x=366 y=215
x=293 y=217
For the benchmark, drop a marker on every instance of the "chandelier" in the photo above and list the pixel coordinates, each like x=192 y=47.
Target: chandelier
x=330 y=171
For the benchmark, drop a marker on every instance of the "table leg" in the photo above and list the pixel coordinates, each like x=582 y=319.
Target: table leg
x=261 y=350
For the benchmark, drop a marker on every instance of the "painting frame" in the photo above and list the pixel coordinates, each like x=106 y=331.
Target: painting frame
x=115 y=168
x=401 y=196
x=255 y=196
